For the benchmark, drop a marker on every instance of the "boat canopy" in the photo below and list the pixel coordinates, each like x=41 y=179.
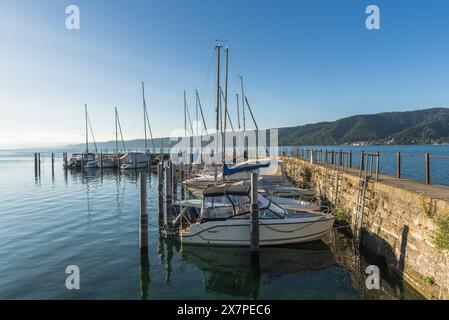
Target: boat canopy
x=227 y=190
x=245 y=166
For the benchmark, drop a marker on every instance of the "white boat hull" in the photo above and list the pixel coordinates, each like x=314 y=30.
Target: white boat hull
x=236 y=232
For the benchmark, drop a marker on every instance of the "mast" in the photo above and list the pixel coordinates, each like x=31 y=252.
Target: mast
x=185 y=115
x=144 y=115
x=225 y=102
x=217 y=110
x=255 y=124
x=87 y=129
x=243 y=104
x=116 y=132
x=238 y=111
x=201 y=110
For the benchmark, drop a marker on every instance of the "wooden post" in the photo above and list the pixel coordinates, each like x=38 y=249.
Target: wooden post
x=340 y=158
x=427 y=160
x=101 y=160
x=39 y=159
x=52 y=163
x=333 y=157
x=325 y=156
x=377 y=165
x=64 y=157
x=35 y=164
x=160 y=168
x=254 y=214
x=398 y=165
x=143 y=217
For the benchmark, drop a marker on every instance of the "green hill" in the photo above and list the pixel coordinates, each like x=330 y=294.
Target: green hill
x=411 y=127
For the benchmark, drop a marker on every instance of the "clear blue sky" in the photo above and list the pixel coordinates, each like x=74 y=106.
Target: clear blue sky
x=303 y=61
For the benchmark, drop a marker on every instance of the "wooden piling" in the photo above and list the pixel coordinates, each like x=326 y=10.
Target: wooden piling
x=35 y=164
x=143 y=217
x=39 y=162
x=254 y=214
x=398 y=165
x=52 y=164
x=362 y=160
x=427 y=168
x=160 y=168
x=101 y=160
x=64 y=157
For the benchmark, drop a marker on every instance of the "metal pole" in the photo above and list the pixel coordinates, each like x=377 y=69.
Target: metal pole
x=377 y=165
x=427 y=160
x=398 y=165
x=362 y=161
x=254 y=214
x=350 y=158
x=143 y=217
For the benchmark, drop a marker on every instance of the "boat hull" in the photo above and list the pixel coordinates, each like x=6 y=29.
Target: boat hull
x=272 y=231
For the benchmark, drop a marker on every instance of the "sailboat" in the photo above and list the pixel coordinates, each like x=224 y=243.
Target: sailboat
x=87 y=159
x=136 y=160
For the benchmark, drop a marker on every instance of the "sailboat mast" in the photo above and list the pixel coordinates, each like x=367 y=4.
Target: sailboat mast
x=238 y=111
x=116 y=132
x=185 y=114
x=243 y=104
x=87 y=129
x=144 y=115
x=225 y=102
x=217 y=110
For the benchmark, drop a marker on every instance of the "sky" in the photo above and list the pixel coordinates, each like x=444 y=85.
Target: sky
x=302 y=61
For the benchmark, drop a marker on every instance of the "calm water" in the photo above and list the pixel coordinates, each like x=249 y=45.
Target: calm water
x=91 y=220
x=412 y=167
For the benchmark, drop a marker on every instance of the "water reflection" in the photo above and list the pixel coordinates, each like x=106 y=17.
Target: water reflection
x=234 y=271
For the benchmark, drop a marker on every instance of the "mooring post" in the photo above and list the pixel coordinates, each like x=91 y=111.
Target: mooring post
x=143 y=217
x=39 y=159
x=160 y=168
x=35 y=164
x=254 y=214
x=52 y=163
x=101 y=160
x=398 y=165
x=64 y=157
x=427 y=160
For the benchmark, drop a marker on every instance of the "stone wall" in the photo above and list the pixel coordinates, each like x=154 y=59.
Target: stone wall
x=397 y=225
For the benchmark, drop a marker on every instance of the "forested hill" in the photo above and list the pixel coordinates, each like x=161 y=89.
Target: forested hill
x=411 y=127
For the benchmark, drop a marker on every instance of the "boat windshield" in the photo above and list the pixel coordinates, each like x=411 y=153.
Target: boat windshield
x=223 y=207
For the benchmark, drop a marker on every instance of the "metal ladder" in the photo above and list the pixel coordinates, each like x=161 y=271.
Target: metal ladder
x=365 y=175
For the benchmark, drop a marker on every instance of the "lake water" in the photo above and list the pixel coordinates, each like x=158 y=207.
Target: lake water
x=90 y=220
x=412 y=160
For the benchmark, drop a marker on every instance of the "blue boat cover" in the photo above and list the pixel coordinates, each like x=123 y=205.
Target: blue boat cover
x=244 y=167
